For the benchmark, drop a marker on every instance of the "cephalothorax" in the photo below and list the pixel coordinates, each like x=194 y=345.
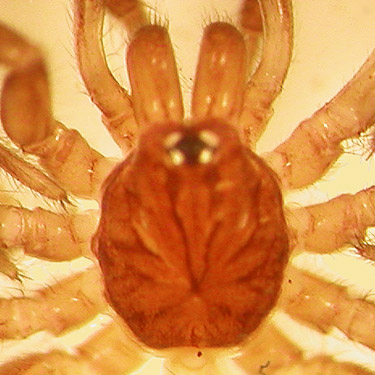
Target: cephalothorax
x=196 y=258
x=192 y=244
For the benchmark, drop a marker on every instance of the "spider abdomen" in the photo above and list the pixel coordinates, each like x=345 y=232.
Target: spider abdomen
x=192 y=240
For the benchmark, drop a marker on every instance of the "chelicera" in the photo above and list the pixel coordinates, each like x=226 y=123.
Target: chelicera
x=193 y=239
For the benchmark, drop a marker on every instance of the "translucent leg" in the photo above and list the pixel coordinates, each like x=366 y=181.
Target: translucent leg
x=315 y=144
x=56 y=363
x=325 y=227
x=47 y=235
x=72 y=162
x=130 y=12
x=26 y=118
x=109 y=352
x=112 y=100
x=323 y=304
x=30 y=176
x=266 y=83
x=64 y=305
x=252 y=26
x=320 y=365
x=269 y=352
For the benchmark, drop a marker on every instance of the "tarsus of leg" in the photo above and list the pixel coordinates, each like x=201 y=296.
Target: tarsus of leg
x=221 y=74
x=266 y=83
x=312 y=148
x=106 y=93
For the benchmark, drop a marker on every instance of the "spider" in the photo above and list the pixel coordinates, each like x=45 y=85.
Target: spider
x=258 y=354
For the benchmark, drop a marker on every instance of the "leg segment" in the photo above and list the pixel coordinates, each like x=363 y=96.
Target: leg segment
x=26 y=118
x=30 y=176
x=64 y=305
x=71 y=161
x=272 y=353
x=321 y=365
x=323 y=305
x=266 y=83
x=325 y=227
x=315 y=144
x=268 y=349
x=251 y=26
x=109 y=352
x=47 y=235
x=112 y=100
x=130 y=12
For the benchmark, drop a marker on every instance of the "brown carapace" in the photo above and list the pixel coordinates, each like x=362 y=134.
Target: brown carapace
x=192 y=240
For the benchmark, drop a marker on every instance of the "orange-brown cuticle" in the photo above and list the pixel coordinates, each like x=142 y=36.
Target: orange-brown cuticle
x=192 y=253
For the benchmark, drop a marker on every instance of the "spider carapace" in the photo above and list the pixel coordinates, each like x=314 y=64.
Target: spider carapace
x=192 y=239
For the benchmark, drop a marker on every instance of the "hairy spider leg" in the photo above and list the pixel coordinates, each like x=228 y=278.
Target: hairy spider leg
x=27 y=120
x=47 y=235
x=108 y=352
x=71 y=302
x=112 y=100
x=323 y=305
x=266 y=82
x=270 y=351
x=221 y=75
x=348 y=114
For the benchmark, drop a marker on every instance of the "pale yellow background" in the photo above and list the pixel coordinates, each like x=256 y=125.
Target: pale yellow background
x=332 y=38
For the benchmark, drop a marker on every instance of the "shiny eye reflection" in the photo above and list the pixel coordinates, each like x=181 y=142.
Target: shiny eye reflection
x=190 y=147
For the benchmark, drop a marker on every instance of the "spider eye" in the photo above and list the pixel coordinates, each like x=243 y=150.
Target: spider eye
x=191 y=147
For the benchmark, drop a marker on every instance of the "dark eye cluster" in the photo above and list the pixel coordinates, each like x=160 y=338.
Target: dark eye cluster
x=191 y=147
